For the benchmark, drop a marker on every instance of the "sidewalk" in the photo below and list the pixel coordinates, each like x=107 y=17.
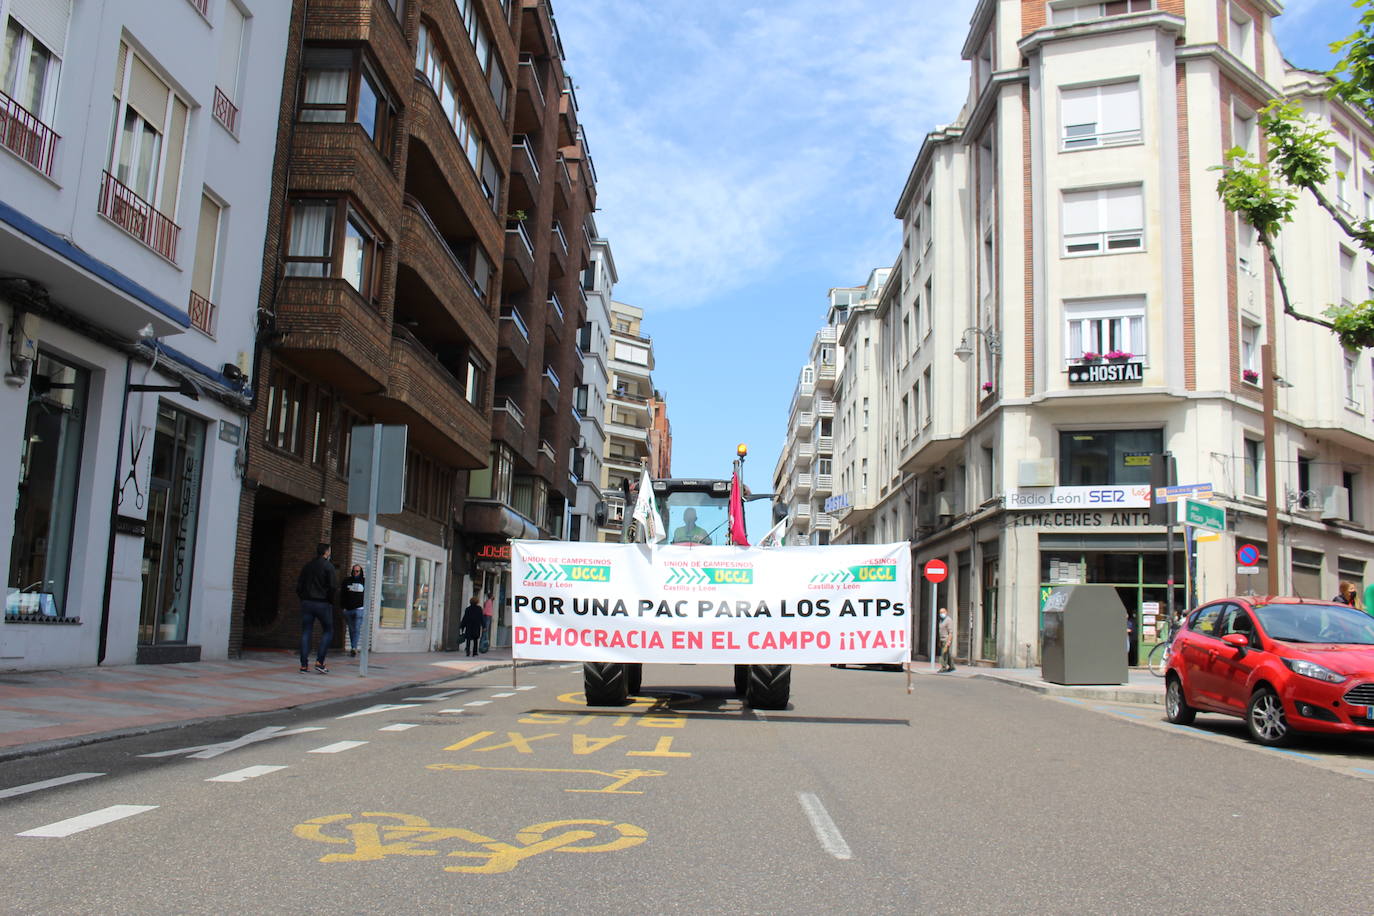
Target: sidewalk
x=1141 y=687
x=46 y=710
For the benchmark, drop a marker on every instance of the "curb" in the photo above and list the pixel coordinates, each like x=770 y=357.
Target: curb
x=61 y=744
x=1107 y=694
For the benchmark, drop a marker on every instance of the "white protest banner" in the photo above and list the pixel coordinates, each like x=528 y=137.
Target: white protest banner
x=837 y=604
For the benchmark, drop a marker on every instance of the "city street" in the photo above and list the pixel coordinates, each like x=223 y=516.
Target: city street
x=475 y=795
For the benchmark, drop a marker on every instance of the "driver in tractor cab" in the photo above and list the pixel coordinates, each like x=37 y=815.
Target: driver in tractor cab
x=689 y=532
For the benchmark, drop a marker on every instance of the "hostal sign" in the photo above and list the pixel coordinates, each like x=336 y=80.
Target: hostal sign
x=1098 y=373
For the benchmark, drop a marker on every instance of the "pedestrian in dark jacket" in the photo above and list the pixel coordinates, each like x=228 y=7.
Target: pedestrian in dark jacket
x=471 y=625
x=315 y=588
x=351 y=601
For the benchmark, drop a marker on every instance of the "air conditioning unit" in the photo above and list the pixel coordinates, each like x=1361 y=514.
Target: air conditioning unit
x=944 y=502
x=1035 y=472
x=1335 y=503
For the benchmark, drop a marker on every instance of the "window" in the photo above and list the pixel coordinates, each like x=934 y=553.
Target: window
x=1347 y=275
x=347 y=420
x=147 y=116
x=229 y=75
x=1340 y=173
x=905 y=418
x=1304 y=482
x=1349 y=479
x=323 y=426
x=1100 y=457
x=1064 y=14
x=1103 y=115
x=1250 y=348
x=1104 y=326
x=1243 y=131
x=1103 y=221
x=1241 y=35
x=475 y=384
x=431 y=61
x=49 y=471
x=339 y=85
x=202 y=307
x=286 y=402
x=1350 y=379
x=927 y=398
x=631 y=354
x=29 y=65
x=1247 y=247
x=1254 y=466
x=312 y=252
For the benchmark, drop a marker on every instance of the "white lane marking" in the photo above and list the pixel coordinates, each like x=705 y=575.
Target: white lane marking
x=526 y=687
x=826 y=831
x=503 y=694
x=246 y=773
x=46 y=784
x=381 y=707
x=569 y=667
x=87 y=821
x=440 y=696
x=450 y=710
x=210 y=751
x=337 y=747
x=478 y=703
x=398 y=727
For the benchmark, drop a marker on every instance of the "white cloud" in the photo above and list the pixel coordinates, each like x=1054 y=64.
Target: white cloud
x=731 y=137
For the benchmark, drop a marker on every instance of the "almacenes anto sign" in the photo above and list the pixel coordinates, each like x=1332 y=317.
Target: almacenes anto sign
x=646 y=603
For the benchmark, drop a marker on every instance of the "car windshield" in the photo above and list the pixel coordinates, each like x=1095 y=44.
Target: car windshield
x=695 y=518
x=1323 y=623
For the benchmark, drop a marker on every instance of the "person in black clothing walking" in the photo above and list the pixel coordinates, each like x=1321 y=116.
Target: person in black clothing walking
x=351 y=600
x=315 y=588
x=471 y=625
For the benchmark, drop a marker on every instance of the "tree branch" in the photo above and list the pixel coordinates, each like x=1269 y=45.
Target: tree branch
x=1283 y=286
x=1363 y=237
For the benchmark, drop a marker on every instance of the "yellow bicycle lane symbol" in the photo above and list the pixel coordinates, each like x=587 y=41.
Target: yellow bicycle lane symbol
x=375 y=835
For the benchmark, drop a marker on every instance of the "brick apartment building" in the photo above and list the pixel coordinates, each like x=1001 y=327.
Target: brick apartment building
x=422 y=267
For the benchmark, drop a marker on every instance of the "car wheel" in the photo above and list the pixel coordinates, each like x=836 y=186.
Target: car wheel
x=1176 y=708
x=1265 y=718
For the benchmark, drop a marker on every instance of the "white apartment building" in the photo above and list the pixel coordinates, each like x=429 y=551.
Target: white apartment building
x=1079 y=301
x=629 y=411
x=136 y=149
x=598 y=281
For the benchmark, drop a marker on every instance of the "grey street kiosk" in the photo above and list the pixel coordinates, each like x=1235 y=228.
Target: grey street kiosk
x=1083 y=640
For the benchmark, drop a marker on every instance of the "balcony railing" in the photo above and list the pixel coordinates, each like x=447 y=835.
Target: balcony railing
x=558 y=234
x=556 y=305
x=546 y=450
x=510 y=407
x=527 y=60
x=522 y=144
x=121 y=206
x=202 y=5
x=457 y=262
x=202 y=313
x=551 y=375
x=512 y=314
x=226 y=112
x=22 y=133
x=518 y=227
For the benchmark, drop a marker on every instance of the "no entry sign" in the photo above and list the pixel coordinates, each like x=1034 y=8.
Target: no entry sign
x=935 y=571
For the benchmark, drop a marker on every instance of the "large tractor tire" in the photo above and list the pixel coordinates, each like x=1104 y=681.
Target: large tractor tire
x=634 y=678
x=769 y=686
x=741 y=680
x=605 y=683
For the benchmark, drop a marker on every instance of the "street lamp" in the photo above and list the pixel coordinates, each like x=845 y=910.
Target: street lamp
x=965 y=348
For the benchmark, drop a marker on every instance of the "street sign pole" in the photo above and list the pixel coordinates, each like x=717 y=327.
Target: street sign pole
x=933 y=613
x=1169 y=535
x=371 y=578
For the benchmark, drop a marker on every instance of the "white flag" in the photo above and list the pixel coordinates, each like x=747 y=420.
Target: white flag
x=645 y=513
x=776 y=534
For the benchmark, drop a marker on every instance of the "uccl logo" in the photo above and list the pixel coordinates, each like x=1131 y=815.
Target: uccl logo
x=710 y=575
x=879 y=572
x=567 y=572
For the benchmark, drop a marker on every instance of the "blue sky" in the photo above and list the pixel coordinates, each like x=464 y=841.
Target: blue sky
x=749 y=157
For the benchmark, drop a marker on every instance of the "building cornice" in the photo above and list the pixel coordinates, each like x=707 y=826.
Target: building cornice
x=1164 y=22
x=978 y=25
x=1231 y=66
x=934 y=139
x=987 y=100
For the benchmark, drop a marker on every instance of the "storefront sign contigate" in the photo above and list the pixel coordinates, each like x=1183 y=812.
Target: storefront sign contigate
x=1134 y=496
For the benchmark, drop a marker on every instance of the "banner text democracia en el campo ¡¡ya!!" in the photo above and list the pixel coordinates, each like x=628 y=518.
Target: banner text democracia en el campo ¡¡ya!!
x=581 y=601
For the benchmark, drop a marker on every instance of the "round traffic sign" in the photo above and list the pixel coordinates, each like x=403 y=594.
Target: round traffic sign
x=1247 y=555
x=935 y=571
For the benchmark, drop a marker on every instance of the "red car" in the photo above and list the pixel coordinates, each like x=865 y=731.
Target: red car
x=1285 y=665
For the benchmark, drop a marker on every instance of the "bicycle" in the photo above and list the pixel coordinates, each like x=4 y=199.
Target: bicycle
x=1158 y=658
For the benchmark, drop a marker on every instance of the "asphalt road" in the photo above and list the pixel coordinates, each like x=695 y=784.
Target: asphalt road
x=965 y=797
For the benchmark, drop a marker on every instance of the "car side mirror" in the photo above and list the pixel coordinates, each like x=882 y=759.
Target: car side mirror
x=1239 y=640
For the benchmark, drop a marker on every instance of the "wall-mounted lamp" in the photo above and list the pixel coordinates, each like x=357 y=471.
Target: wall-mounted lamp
x=965 y=348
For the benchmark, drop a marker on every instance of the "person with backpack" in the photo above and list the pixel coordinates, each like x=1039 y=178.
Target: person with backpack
x=315 y=588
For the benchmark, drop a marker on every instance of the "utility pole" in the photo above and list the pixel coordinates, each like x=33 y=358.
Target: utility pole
x=1271 y=506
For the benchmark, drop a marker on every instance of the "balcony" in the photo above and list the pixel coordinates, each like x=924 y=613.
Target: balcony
x=562 y=183
x=225 y=112
x=508 y=423
x=22 y=133
x=530 y=102
x=424 y=394
x=824 y=521
x=803 y=483
x=121 y=206
x=345 y=161
x=203 y=313
x=363 y=21
x=332 y=333
x=553 y=315
x=802 y=513
x=824 y=484
x=805 y=421
x=825 y=376
x=558 y=251
x=826 y=335
x=825 y=408
x=548 y=387
x=805 y=390
x=567 y=114
x=519 y=255
x=513 y=338
x=524 y=185
x=426 y=252
x=805 y=451
x=825 y=445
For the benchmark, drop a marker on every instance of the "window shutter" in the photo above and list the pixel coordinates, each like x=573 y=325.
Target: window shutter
x=1120 y=107
x=1079 y=106
x=1124 y=209
x=230 y=51
x=46 y=19
x=1075 y=340
x=1080 y=212
x=171 y=175
x=207 y=241
x=148 y=95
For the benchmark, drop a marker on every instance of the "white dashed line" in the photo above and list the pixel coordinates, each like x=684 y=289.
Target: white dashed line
x=46 y=784
x=337 y=747
x=382 y=707
x=450 y=710
x=527 y=687
x=398 y=727
x=478 y=703
x=440 y=696
x=87 y=821
x=503 y=695
x=826 y=831
x=246 y=773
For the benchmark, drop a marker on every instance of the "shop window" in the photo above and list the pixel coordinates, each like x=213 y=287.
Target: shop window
x=169 y=541
x=1100 y=457
x=339 y=85
x=395 y=600
x=312 y=250
x=45 y=505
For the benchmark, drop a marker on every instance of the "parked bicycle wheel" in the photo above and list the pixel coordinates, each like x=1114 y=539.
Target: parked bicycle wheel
x=1158 y=659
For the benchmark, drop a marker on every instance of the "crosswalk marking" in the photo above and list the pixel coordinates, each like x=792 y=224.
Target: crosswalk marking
x=478 y=703
x=526 y=687
x=46 y=784
x=87 y=821
x=441 y=696
x=246 y=773
x=397 y=727
x=381 y=707
x=210 y=751
x=336 y=747
x=503 y=694
x=450 y=710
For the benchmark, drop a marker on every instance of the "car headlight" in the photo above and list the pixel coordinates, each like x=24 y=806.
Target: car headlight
x=1313 y=670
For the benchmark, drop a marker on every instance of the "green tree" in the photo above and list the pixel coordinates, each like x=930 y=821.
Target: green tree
x=1266 y=192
